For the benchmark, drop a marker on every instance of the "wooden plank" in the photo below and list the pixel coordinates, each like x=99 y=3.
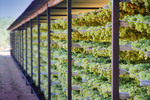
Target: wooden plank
x=79 y=64
x=122 y=71
x=126 y=48
x=72 y=59
x=74 y=16
x=73 y=73
x=122 y=47
x=106 y=7
x=35 y=67
x=53 y=42
x=89 y=48
x=82 y=31
x=76 y=88
x=76 y=45
x=53 y=94
x=55 y=83
x=124 y=95
x=43 y=73
x=148 y=54
x=141 y=22
x=88 y=98
x=55 y=56
x=42 y=65
x=53 y=62
x=54 y=73
x=144 y=82
x=124 y=24
x=65 y=89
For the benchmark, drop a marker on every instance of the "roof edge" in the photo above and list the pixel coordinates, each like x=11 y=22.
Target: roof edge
x=50 y=3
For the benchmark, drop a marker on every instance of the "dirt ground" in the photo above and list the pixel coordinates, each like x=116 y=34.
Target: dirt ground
x=12 y=85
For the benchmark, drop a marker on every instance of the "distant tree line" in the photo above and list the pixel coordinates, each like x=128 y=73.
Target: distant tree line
x=4 y=33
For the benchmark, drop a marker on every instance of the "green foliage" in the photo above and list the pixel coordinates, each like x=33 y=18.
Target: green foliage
x=92 y=31
x=4 y=33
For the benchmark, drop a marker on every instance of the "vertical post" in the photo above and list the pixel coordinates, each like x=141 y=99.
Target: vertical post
x=22 y=49
x=31 y=50
x=39 y=87
x=15 y=45
x=115 y=50
x=11 y=48
x=26 y=48
x=69 y=45
x=10 y=42
x=18 y=45
x=49 y=54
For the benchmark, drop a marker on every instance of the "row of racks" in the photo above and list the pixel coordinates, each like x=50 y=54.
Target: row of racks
x=122 y=71
x=21 y=55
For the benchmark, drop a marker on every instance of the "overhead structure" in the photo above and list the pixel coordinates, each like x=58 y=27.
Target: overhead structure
x=44 y=11
x=58 y=10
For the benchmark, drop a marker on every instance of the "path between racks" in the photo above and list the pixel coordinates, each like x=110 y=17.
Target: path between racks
x=12 y=85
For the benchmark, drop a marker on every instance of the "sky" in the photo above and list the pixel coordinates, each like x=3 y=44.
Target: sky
x=13 y=8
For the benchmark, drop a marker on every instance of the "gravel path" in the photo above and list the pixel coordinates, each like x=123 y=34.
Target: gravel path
x=12 y=85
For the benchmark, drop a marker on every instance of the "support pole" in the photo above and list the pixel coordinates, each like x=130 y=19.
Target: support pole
x=49 y=54
x=115 y=50
x=22 y=50
x=31 y=51
x=69 y=45
x=39 y=79
x=15 y=45
x=11 y=43
x=26 y=49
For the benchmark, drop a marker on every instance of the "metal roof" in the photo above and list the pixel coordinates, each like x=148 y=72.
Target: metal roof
x=58 y=10
x=34 y=6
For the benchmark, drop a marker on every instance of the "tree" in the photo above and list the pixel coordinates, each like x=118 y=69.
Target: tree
x=4 y=33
